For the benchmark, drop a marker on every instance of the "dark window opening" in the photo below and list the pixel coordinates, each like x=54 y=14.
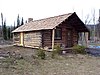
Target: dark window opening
x=58 y=34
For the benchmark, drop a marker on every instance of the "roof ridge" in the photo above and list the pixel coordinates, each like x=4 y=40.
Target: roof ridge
x=46 y=23
x=51 y=17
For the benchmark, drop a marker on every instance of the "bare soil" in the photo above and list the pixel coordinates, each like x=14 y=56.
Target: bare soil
x=24 y=61
x=4 y=43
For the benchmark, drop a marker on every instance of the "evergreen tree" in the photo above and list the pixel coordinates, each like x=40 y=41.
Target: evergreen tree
x=22 y=21
x=14 y=26
x=26 y=21
x=11 y=29
x=5 y=31
x=18 y=21
x=9 y=32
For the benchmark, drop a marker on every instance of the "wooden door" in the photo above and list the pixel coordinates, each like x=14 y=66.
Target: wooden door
x=69 y=38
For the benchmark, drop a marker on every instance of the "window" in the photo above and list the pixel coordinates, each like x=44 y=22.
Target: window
x=58 y=34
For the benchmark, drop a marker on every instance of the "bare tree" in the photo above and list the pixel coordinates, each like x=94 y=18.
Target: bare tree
x=93 y=14
x=88 y=19
x=98 y=28
x=2 y=24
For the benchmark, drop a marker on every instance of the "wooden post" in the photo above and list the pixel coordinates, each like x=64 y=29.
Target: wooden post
x=82 y=40
x=85 y=42
x=86 y=37
x=22 y=39
x=53 y=36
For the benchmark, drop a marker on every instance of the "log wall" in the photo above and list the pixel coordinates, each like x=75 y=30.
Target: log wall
x=16 y=38
x=75 y=37
x=44 y=38
x=63 y=41
x=32 y=39
x=47 y=36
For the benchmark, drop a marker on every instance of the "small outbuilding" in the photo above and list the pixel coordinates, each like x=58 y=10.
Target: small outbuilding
x=63 y=30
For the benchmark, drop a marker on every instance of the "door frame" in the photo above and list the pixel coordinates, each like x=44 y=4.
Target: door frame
x=69 y=38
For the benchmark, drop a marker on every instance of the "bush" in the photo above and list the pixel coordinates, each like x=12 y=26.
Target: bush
x=41 y=53
x=56 y=50
x=79 y=49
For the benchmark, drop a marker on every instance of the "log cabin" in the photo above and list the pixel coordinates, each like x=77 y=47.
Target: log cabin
x=63 y=30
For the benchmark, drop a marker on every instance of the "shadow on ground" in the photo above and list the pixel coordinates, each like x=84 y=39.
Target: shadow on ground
x=93 y=51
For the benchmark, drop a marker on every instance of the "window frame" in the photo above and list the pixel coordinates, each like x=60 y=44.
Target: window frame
x=57 y=37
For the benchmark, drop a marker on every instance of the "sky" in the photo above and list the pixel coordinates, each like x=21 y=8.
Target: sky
x=38 y=9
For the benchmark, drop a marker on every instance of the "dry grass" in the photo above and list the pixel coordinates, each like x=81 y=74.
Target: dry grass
x=69 y=64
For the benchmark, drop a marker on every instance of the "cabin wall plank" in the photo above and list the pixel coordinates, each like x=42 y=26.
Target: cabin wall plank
x=16 y=38
x=32 y=39
x=47 y=36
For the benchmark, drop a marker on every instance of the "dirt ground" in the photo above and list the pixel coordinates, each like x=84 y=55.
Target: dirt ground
x=4 y=43
x=29 y=64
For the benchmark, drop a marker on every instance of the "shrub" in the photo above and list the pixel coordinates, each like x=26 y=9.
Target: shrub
x=41 y=53
x=56 y=50
x=79 y=49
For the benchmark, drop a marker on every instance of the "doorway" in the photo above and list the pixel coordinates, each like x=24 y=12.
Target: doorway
x=69 y=38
